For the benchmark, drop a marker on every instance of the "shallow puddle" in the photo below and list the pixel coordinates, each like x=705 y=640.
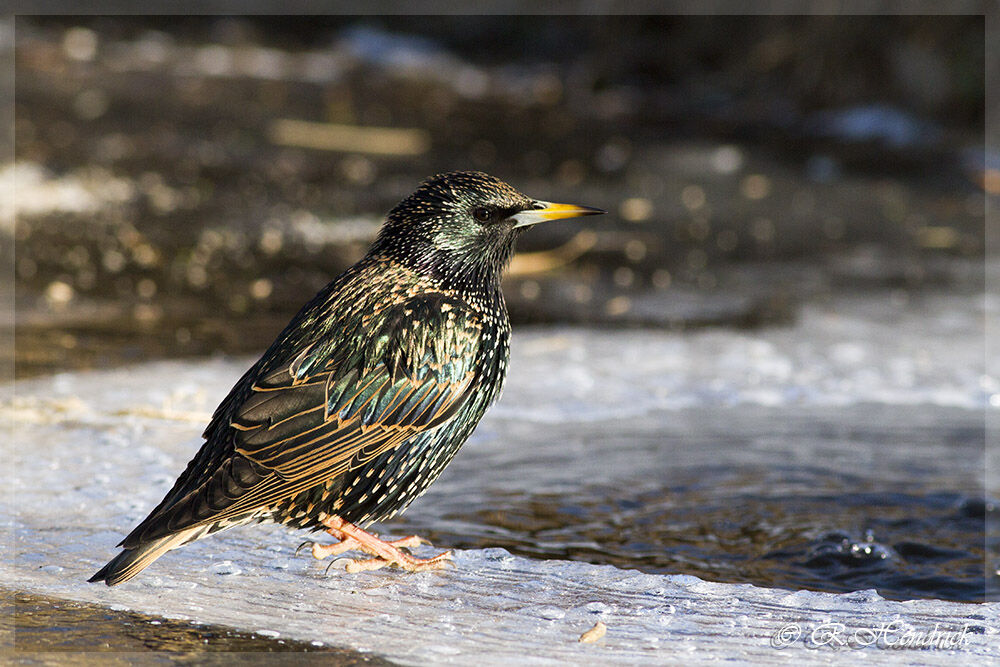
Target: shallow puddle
x=46 y=625
x=792 y=512
x=904 y=546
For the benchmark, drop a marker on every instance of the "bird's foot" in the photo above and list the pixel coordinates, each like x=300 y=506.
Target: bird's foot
x=321 y=551
x=385 y=552
x=403 y=561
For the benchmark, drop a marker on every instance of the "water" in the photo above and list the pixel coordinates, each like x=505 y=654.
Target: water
x=43 y=624
x=792 y=509
x=913 y=546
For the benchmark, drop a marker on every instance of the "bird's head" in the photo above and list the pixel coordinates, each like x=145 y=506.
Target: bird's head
x=461 y=227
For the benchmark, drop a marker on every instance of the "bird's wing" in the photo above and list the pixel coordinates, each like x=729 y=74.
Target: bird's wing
x=330 y=409
x=323 y=412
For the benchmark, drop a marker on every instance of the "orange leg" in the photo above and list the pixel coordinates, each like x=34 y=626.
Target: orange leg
x=385 y=553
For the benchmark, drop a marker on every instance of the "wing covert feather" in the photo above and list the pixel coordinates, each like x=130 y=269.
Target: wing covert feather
x=330 y=407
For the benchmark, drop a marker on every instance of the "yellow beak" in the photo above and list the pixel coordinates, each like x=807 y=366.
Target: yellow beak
x=545 y=210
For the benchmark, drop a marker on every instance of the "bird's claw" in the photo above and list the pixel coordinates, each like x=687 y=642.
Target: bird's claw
x=334 y=562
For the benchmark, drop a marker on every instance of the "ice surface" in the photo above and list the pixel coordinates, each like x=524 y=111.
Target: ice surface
x=95 y=451
x=863 y=351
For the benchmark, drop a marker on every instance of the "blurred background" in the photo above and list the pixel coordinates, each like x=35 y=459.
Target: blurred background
x=185 y=184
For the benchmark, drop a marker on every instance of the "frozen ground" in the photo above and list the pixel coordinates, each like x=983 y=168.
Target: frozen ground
x=94 y=451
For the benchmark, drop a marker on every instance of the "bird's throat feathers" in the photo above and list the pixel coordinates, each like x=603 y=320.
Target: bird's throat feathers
x=452 y=254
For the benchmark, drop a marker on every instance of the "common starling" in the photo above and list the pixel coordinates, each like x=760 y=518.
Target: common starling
x=367 y=394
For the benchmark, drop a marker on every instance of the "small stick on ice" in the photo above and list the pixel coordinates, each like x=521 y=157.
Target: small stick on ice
x=595 y=633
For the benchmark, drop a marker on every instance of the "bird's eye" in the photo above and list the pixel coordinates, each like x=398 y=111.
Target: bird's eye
x=482 y=214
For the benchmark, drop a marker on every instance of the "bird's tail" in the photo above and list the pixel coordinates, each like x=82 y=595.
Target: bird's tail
x=131 y=562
